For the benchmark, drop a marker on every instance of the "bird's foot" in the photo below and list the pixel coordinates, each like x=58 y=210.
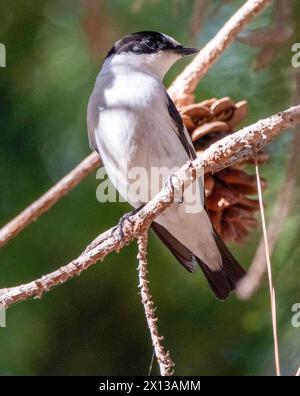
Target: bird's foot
x=120 y=227
x=169 y=185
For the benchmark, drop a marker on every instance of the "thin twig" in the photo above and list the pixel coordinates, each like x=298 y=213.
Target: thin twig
x=46 y=201
x=198 y=16
x=270 y=39
x=277 y=33
x=228 y=151
x=151 y=363
x=251 y=281
x=198 y=68
x=163 y=357
x=185 y=84
x=268 y=259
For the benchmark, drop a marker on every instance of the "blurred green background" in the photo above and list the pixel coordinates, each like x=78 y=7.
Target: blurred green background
x=94 y=324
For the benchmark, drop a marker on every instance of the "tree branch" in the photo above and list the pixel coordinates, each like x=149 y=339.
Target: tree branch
x=163 y=357
x=230 y=150
x=185 y=84
x=180 y=90
x=269 y=267
x=251 y=281
x=46 y=201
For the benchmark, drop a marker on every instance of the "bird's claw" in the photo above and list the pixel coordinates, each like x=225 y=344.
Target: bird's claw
x=120 y=227
x=171 y=189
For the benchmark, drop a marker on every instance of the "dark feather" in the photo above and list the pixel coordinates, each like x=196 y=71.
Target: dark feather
x=146 y=42
x=183 y=255
x=223 y=281
x=176 y=117
x=234 y=271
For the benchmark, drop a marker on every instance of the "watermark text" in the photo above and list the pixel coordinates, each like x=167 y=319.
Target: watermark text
x=296 y=56
x=2 y=55
x=296 y=317
x=138 y=185
x=2 y=316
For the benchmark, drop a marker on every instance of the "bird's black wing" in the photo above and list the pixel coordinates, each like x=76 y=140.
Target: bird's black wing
x=225 y=279
x=180 y=129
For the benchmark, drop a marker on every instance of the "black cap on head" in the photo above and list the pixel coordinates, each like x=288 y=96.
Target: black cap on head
x=148 y=42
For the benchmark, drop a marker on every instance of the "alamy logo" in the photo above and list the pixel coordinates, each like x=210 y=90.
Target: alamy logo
x=138 y=185
x=296 y=56
x=2 y=317
x=2 y=55
x=296 y=317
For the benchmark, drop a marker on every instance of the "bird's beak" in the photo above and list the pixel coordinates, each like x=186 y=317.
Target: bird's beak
x=186 y=51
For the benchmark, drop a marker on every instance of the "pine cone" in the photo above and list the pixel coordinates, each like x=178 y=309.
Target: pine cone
x=227 y=192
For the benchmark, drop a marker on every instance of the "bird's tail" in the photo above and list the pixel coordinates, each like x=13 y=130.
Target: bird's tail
x=222 y=281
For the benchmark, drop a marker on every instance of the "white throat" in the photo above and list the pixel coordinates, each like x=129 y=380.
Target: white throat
x=157 y=64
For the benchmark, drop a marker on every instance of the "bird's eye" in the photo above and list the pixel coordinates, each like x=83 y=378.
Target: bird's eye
x=151 y=43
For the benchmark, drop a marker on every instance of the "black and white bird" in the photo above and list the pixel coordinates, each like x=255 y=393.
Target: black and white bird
x=132 y=118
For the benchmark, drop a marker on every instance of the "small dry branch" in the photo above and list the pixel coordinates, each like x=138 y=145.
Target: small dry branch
x=228 y=151
x=163 y=357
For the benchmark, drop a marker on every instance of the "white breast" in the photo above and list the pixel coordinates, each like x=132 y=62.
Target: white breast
x=129 y=117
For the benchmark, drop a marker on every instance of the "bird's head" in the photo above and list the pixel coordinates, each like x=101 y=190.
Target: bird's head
x=151 y=51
